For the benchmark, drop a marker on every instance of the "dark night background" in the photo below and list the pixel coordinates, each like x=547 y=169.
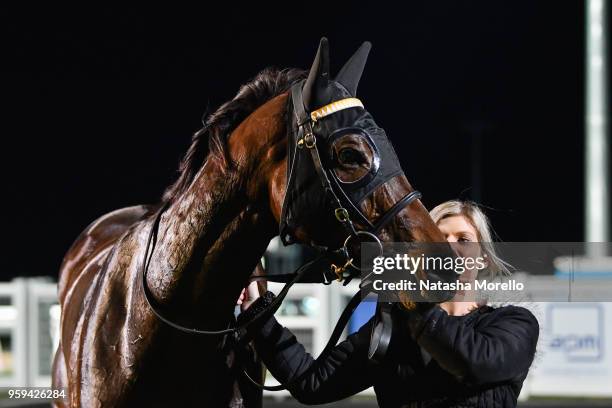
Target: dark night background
x=102 y=105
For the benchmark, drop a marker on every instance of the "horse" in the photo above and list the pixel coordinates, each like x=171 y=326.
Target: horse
x=238 y=183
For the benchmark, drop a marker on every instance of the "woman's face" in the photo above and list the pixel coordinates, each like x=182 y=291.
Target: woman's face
x=463 y=237
x=457 y=228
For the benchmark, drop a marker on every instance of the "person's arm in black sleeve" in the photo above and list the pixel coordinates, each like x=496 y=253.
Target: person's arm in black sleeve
x=341 y=373
x=501 y=350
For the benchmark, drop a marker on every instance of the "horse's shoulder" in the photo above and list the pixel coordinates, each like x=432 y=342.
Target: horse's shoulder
x=95 y=241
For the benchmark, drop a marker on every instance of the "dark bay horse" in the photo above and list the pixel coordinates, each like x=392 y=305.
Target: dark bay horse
x=221 y=214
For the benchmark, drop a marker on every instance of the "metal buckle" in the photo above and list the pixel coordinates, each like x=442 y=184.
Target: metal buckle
x=339 y=270
x=309 y=140
x=342 y=214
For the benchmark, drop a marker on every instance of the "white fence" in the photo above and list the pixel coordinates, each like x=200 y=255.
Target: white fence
x=29 y=321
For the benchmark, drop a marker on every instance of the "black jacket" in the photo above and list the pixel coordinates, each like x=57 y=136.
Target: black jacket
x=434 y=360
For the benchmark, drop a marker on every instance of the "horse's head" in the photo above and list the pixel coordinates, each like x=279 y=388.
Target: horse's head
x=344 y=179
x=317 y=162
x=335 y=145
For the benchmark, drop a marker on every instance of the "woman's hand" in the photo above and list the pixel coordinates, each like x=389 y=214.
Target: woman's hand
x=248 y=295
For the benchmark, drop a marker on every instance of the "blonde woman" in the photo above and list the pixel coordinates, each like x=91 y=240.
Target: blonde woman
x=468 y=230
x=455 y=354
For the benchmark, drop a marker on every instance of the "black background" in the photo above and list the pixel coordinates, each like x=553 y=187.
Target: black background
x=102 y=105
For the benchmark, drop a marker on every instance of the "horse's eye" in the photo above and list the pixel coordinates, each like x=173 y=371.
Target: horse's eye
x=349 y=156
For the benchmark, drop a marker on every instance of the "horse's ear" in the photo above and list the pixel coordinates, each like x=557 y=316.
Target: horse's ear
x=318 y=76
x=350 y=74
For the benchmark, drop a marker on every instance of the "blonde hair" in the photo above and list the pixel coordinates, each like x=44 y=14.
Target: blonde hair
x=477 y=218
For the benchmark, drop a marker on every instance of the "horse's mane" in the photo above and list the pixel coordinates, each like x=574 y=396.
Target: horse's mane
x=212 y=138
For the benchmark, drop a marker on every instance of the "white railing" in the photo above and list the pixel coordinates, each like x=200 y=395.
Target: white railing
x=13 y=315
x=26 y=328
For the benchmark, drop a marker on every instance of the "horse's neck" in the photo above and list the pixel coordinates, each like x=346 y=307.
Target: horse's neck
x=214 y=233
x=210 y=239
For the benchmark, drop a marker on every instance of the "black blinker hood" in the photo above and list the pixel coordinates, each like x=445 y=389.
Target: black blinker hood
x=306 y=198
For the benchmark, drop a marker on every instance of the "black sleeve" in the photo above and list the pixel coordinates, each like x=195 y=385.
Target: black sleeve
x=499 y=350
x=343 y=372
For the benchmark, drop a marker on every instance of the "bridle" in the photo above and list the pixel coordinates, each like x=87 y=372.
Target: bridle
x=344 y=207
x=330 y=265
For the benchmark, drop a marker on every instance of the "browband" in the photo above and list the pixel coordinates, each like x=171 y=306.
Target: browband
x=334 y=107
